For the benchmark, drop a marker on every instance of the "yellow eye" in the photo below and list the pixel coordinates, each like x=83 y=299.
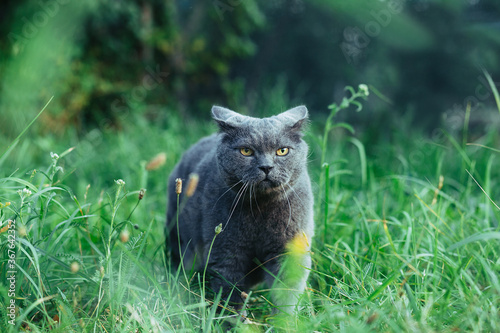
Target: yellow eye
x=282 y=151
x=246 y=151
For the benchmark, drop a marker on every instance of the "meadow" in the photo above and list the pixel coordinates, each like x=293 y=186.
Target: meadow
x=407 y=234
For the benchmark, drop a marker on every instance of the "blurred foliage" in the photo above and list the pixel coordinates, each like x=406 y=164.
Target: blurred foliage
x=104 y=60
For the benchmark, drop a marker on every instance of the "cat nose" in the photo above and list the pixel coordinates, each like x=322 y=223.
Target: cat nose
x=266 y=169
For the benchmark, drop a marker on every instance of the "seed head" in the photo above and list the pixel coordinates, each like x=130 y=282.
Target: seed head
x=156 y=162
x=363 y=88
x=74 y=267
x=178 y=186
x=54 y=156
x=7 y=204
x=218 y=229
x=124 y=235
x=24 y=193
x=120 y=182
x=441 y=181
x=192 y=184
x=142 y=192
x=436 y=191
x=22 y=231
x=7 y=227
x=372 y=318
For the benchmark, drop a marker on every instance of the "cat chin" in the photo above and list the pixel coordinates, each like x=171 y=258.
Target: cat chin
x=268 y=186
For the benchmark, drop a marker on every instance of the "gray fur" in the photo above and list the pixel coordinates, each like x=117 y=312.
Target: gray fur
x=259 y=217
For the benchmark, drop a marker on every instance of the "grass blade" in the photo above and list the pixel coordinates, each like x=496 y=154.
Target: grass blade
x=493 y=88
x=474 y=238
x=384 y=285
x=16 y=140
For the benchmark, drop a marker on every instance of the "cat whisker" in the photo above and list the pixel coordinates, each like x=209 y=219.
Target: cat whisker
x=295 y=192
x=289 y=206
x=256 y=201
x=229 y=189
x=237 y=200
x=244 y=194
x=251 y=208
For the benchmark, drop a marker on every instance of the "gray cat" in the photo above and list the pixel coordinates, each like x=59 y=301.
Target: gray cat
x=253 y=180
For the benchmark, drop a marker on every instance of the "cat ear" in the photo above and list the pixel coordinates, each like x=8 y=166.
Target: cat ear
x=295 y=118
x=227 y=119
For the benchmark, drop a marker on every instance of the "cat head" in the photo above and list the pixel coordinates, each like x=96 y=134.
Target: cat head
x=268 y=154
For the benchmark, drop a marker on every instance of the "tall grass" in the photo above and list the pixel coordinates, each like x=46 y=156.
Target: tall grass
x=404 y=244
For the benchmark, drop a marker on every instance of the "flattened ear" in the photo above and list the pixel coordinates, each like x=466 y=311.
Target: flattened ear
x=295 y=118
x=227 y=119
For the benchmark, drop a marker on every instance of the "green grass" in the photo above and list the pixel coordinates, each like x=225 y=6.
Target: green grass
x=394 y=250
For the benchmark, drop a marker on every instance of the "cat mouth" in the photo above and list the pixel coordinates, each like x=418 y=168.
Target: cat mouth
x=267 y=183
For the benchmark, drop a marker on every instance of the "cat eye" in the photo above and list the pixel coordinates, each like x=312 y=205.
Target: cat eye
x=246 y=151
x=282 y=151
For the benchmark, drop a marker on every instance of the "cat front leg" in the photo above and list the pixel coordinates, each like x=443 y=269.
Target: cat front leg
x=230 y=291
x=287 y=276
x=229 y=275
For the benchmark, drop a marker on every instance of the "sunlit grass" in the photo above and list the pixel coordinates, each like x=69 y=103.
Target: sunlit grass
x=395 y=251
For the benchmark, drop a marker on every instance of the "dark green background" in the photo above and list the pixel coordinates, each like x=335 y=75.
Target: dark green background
x=426 y=58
